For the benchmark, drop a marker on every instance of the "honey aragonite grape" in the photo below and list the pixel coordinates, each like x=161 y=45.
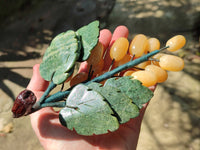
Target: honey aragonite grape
x=153 y=44
x=78 y=78
x=138 y=45
x=171 y=63
x=124 y=60
x=96 y=54
x=98 y=68
x=176 y=43
x=160 y=73
x=146 y=77
x=119 y=49
x=157 y=57
x=143 y=64
x=128 y=72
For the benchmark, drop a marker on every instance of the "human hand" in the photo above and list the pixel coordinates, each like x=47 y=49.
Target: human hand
x=52 y=135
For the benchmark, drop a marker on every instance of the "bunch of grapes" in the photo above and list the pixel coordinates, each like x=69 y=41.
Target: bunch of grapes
x=121 y=51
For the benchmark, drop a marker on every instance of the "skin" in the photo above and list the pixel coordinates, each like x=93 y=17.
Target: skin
x=52 y=135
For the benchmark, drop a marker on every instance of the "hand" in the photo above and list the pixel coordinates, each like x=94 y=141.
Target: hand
x=52 y=135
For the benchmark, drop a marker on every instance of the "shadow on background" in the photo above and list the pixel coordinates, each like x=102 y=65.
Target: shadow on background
x=164 y=19
x=34 y=23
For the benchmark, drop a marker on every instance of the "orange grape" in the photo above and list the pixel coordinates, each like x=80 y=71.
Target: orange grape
x=78 y=78
x=146 y=77
x=98 y=68
x=176 y=43
x=69 y=78
x=171 y=63
x=119 y=49
x=157 y=56
x=143 y=64
x=153 y=44
x=96 y=54
x=128 y=73
x=124 y=60
x=159 y=72
x=138 y=45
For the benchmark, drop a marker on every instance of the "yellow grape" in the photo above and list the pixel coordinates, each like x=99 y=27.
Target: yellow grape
x=99 y=67
x=119 y=49
x=69 y=78
x=171 y=63
x=146 y=77
x=157 y=56
x=96 y=54
x=159 y=72
x=128 y=73
x=175 y=43
x=78 y=78
x=101 y=73
x=153 y=44
x=124 y=60
x=138 y=45
x=143 y=64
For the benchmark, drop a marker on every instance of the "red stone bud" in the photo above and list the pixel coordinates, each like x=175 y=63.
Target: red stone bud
x=23 y=103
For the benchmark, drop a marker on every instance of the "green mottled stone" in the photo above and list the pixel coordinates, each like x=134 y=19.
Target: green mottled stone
x=89 y=37
x=133 y=89
x=87 y=112
x=60 y=57
x=120 y=103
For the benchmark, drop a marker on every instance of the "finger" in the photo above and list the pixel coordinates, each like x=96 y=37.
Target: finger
x=37 y=83
x=104 y=38
x=120 y=31
x=83 y=67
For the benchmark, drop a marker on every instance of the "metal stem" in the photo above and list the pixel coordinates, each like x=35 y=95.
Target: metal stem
x=53 y=99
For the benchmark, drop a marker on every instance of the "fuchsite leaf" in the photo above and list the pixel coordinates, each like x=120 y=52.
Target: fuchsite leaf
x=87 y=112
x=67 y=48
x=133 y=89
x=89 y=37
x=60 y=57
x=120 y=103
x=96 y=109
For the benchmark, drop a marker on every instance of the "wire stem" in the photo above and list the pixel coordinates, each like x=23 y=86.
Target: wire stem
x=53 y=99
x=46 y=93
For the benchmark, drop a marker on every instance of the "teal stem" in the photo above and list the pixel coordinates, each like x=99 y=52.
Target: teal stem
x=55 y=104
x=53 y=99
x=123 y=67
x=60 y=95
x=57 y=96
x=44 y=96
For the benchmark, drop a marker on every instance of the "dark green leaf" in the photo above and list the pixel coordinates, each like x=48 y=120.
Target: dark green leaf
x=133 y=89
x=87 y=112
x=60 y=57
x=89 y=37
x=120 y=103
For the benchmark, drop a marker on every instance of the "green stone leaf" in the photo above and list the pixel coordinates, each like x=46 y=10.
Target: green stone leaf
x=87 y=112
x=59 y=58
x=120 y=103
x=89 y=37
x=132 y=88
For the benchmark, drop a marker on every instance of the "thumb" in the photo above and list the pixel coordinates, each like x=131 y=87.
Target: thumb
x=37 y=83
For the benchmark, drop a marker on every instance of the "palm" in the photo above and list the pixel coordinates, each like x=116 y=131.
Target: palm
x=53 y=135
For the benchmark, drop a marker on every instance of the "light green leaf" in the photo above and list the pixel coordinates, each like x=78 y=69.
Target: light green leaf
x=132 y=88
x=89 y=37
x=60 y=57
x=87 y=112
x=120 y=103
